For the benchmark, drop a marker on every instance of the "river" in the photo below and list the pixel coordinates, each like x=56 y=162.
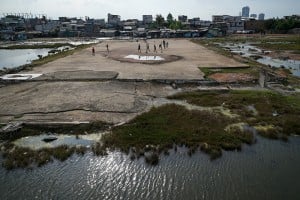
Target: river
x=268 y=169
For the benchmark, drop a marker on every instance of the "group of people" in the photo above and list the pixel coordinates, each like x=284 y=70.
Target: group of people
x=163 y=45
x=93 y=50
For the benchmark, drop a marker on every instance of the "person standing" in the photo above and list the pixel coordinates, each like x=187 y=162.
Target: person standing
x=148 y=48
x=139 y=48
x=93 y=51
x=107 y=49
x=160 y=47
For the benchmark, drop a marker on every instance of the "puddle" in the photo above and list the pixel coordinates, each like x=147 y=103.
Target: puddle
x=138 y=57
x=36 y=142
x=247 y=50
x=292 y=65
x=19 y=76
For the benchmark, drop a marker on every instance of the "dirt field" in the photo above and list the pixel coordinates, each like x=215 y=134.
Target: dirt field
x=193 y=56
x=85 y=87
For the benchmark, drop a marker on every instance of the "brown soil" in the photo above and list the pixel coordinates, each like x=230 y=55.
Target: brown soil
x=232 y=77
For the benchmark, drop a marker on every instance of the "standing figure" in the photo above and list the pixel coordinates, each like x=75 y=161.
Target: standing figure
x=164 y=44
x=139 y=48
x=148 y=48
x=160 y=47
x=107 y=49
x=93 y=51
x=155 y=51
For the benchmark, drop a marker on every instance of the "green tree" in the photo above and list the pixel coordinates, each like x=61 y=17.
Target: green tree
x=175 y=25
x=170 y=18
x=159 y=20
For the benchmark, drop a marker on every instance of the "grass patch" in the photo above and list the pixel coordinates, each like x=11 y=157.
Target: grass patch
x=63 y=54
x=20 y=157
x=246 y=70
x=274 y=109
x=272 y=115
x=38 y=46
x=71 y=129
x=162 y=127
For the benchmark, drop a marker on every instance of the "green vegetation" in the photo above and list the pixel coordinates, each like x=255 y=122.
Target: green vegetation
x=170 y=23
x=270 y=114
x=276 y=43
x=289 y=44
x=247 y=70
x=282 y=112
x=72 y=129
x=281 y=25
x=19 y=157
x=228 y=119
x=63 y=54
x=37 y=46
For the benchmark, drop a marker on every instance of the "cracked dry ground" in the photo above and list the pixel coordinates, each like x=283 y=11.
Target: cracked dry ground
x=109 y=101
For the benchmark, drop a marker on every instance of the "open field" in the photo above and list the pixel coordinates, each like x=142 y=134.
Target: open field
x=84 y=100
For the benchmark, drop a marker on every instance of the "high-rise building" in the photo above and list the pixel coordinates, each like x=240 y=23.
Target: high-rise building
x=113 y=19
x=245 y=11
x=261 y=16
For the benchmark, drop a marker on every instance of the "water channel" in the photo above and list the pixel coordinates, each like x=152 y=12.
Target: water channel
x=268 y=169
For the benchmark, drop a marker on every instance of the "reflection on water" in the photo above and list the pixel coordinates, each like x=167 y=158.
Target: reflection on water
x=18 y=57
x=293 y=65
x=247 y=50
x=266 y=170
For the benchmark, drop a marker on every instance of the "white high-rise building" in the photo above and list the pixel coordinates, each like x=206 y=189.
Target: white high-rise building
x=245 y=11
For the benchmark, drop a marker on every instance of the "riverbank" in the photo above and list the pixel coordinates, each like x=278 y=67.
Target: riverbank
x=212 y=121
x=53 y=55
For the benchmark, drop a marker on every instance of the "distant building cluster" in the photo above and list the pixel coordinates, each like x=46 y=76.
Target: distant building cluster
x=20 y=26
x=246 y=14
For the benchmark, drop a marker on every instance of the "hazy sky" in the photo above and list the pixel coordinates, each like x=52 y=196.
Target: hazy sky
x=136 y=8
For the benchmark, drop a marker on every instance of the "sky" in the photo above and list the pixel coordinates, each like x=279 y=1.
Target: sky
x=134 y=9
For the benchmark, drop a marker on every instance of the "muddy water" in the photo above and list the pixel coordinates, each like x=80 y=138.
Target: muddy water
x=247 y=50
x=18 y=57
x=266 y=170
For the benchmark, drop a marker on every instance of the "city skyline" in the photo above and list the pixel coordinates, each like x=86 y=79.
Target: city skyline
x=134 y=9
